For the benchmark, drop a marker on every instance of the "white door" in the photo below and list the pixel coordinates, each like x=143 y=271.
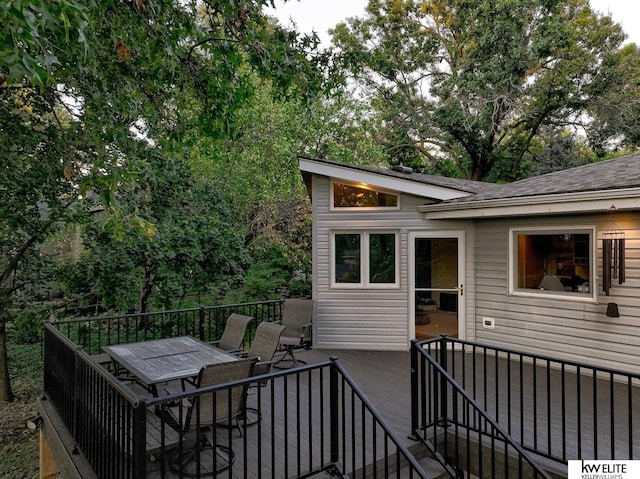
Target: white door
x=436 y=284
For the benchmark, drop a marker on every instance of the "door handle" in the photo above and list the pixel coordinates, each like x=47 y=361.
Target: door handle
x=462 y=290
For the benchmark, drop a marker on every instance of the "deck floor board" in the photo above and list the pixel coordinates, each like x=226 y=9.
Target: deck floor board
x=384 y=378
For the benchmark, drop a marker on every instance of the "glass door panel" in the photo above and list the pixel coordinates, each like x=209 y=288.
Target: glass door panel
x=437 y=287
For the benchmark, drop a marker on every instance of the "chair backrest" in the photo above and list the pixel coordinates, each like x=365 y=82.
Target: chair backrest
x=228 y=403
x=234 y=332
x=266 y=341
x=297 y=313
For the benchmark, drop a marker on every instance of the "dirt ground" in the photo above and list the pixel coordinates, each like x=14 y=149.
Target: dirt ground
x=18 y=444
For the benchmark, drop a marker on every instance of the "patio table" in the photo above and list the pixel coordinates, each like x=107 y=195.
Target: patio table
x=162 y=360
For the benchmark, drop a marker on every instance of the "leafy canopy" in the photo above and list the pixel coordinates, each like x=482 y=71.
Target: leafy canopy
x=469 y=85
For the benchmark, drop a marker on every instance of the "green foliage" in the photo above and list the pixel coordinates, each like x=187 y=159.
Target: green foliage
x=272 y=275
x=27 y=327
x=90 y=94
x=616 y=113
x=127 y=78
x=193 y=242
x=33 y=32
x=25 y=364
x=472 y=84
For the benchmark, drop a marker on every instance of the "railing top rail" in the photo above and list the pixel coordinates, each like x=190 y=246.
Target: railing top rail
x=373 y=411
x=121 y=388
x=485 y=416
x=61 y=337
x=541 y=357
x=164 y=312
x=178 y=396
x=106 y=375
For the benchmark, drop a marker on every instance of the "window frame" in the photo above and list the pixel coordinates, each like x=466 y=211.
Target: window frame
x=590 y=230
x=365 y=186
x=365 y=259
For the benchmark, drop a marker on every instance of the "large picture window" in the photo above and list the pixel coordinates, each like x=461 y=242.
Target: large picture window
x=362 y=259
x=553 y=262
x=361 y=196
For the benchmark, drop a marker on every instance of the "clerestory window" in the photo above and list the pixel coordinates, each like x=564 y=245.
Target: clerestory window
x=351 y=195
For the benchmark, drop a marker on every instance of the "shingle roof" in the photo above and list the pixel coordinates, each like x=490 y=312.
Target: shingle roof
x=618 y=173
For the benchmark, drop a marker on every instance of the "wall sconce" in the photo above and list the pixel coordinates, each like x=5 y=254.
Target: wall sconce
x=612 y=256
x=612 y=310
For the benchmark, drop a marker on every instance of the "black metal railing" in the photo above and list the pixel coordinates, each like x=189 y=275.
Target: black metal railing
x=105 y=419
x=557 y=409
x=308 y=419
x=204 y=323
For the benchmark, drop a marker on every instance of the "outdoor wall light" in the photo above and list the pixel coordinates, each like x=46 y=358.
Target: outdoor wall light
x=612 y=310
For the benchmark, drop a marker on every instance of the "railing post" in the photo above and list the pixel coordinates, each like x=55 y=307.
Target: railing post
x=444 y=403
x=139 y=452
x=414 y=390
x=77 y=380
x=333 y=411
x=201 y=324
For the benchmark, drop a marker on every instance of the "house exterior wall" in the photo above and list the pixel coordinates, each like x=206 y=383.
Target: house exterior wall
x=378 y=319
x=374 y=318
x=573 y=330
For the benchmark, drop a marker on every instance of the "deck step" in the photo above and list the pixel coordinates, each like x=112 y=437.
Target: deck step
x=432 y=467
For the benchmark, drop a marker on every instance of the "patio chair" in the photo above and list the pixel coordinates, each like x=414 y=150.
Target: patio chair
x=262 y=349
x=297 y=318
x=207 y=410
x=233 y=334
x=264 y=346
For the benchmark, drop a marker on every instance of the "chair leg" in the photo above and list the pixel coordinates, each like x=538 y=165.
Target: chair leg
x=195 y=462
x=293 y=360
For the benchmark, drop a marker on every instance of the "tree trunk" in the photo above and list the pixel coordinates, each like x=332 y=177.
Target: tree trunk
x=147 y=289
x=6 y=394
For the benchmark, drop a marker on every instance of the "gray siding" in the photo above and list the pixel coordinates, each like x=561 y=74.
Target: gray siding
x=378 y=319
x=576 y=330
x=370 y=319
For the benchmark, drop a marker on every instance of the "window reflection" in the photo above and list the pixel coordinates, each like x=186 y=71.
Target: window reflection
x=554 y=262
x=347 y=253
x=351 y=196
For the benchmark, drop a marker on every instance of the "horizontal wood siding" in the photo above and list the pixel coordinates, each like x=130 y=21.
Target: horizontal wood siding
x=575 y=330
x=360 y=318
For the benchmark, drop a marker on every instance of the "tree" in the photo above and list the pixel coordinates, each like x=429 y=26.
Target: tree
x=38 y=192
x=256 y=166
x=469 y=85
x=192 y=244
x=616 y=109
x=110 y=80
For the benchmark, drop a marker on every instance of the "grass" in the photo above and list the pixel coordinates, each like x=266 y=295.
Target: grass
x=19 y=445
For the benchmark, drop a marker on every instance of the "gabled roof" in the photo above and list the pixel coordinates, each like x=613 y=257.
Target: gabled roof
x=427 y=186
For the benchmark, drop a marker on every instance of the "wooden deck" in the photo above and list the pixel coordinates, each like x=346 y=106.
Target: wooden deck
x=384 y=377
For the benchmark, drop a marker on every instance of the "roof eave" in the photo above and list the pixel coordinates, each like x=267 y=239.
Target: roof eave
x=582 y=202
x=394 y=183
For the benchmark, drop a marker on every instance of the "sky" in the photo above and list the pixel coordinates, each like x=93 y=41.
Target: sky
x=320 y=15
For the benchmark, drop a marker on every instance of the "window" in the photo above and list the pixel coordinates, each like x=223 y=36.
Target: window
x=553 y=262
x=361 y=196
x=365 y=259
